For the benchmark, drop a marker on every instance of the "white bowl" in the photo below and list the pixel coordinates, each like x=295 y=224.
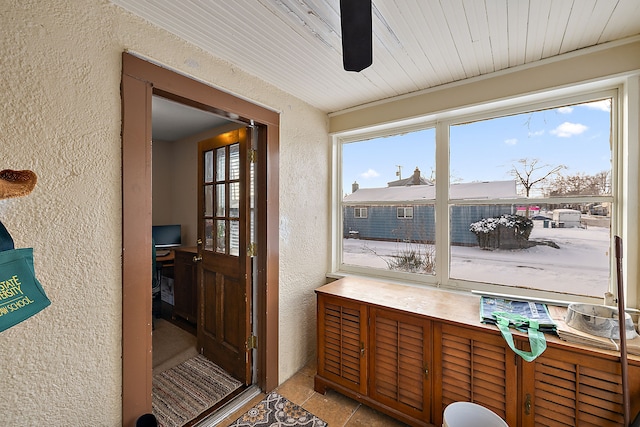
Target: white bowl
x=599 y=320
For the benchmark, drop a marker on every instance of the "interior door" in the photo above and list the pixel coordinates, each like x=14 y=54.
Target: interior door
x=224 y=324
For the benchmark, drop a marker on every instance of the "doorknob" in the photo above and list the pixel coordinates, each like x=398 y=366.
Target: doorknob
x=197 y=258
x=199 y=242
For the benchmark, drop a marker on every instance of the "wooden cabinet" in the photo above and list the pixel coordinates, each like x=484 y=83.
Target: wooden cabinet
x=474 y=366
x=185 y=285
x=342 y=334
x=379 y=357
x=409 y=352
x=566 y=388
x=400 y=350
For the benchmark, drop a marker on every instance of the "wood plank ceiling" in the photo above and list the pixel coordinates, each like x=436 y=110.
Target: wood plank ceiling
x=418 y=44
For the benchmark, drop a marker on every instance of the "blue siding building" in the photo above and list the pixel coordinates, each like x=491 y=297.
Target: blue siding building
x=391 y=214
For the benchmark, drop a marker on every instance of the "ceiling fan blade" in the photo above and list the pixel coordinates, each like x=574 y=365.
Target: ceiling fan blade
x=357 y=48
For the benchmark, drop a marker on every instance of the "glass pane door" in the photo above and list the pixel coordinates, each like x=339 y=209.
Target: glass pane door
x=221 y=188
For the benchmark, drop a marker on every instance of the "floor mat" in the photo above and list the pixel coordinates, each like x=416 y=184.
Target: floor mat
x=276 y=411
x=182 y=393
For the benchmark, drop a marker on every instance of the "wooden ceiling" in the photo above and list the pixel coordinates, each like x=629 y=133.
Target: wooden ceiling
x=417 y=44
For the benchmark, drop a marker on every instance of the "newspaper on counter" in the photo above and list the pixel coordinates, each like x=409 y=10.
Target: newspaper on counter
x=531 y=310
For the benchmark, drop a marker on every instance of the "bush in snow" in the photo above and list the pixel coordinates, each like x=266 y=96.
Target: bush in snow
x=504 y=232
x=413 y=260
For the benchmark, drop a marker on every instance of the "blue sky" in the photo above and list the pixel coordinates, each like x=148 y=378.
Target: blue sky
x=576 y=136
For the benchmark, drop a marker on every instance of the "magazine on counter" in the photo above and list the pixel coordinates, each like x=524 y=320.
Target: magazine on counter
x=532 y=310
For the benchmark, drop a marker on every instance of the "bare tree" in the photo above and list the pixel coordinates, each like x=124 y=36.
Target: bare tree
x=581 y=184
x=602 y=180
x=529 y=173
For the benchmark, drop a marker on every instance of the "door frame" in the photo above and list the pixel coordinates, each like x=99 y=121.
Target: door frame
x=140 y=80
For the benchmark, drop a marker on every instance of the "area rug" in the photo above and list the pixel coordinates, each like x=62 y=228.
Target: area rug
x=182 y=393
x=276 y=411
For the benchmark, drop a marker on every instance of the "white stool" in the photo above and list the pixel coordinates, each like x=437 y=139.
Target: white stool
x=467 y=414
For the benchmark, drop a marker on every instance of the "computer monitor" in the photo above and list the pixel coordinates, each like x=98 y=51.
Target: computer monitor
x=167 y=236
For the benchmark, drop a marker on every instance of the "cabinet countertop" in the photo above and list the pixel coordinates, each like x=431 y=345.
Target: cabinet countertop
x=446 y=306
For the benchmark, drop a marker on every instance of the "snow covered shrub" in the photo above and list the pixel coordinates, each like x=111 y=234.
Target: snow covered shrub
x=505 y=232
x=413 y=260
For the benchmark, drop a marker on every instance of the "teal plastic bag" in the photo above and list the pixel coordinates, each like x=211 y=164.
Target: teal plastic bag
x=537 y=341
x=21 y=294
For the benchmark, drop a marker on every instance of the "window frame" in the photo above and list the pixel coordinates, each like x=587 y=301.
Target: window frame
x=360 y=209
x=405 y=209
x=622 y=93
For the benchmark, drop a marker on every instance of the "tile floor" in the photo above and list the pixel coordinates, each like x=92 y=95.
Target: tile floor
x=334 y=408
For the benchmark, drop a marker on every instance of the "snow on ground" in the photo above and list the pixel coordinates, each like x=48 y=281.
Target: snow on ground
x=582 y=262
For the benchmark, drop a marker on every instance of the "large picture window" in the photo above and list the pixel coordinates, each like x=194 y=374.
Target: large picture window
x=552 y=231
x=387 y=174
x=519 y=201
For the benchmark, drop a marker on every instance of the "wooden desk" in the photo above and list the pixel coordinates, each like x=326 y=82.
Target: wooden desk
x=166 y=260
x=185 y=285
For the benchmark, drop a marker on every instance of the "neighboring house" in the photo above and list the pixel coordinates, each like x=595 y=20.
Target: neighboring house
x=401 y=212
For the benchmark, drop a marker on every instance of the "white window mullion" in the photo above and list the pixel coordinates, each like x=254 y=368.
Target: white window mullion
x=442 y=206
x=337 y=191
x=629 y=194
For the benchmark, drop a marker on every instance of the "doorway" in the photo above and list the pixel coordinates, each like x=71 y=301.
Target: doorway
x=198 y=350
x=140 y=81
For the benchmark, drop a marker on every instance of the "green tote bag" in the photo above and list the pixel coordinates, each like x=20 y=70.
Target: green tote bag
x=21 y=295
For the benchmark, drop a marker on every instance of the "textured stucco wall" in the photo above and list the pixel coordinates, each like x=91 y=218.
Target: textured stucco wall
x=60 y=86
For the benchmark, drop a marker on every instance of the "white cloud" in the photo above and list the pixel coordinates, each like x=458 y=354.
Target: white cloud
x=511 y=141
x=536 y=133
x=565 y=110
x=567 y=130
x=604 y=105
x=369 y=174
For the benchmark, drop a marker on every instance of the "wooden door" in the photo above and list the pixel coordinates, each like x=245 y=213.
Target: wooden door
x=224 y=322
x=401 y=362
x=474 y=366
x=567 y=388
x=342 y=340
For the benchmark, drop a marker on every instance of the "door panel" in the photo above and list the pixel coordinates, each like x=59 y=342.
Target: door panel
x=342 y=336
x=400 y=362
x=224 y=271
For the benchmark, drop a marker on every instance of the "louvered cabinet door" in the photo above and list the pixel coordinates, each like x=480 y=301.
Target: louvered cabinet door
x=342 y=336
x=400 y=362
x=474 y=366
x=566 y=388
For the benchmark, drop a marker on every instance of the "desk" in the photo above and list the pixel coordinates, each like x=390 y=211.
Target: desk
x=164 y=271
x=185 y=286
x=182 y=271
x=167 y=260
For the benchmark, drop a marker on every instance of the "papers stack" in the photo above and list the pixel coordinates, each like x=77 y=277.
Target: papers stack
x=531 y=310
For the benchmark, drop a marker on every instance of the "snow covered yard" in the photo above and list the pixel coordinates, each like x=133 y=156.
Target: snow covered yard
x=582 y=260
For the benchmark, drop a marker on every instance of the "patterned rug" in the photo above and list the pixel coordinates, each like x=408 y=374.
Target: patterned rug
x=276 y=411
x=185 y=391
